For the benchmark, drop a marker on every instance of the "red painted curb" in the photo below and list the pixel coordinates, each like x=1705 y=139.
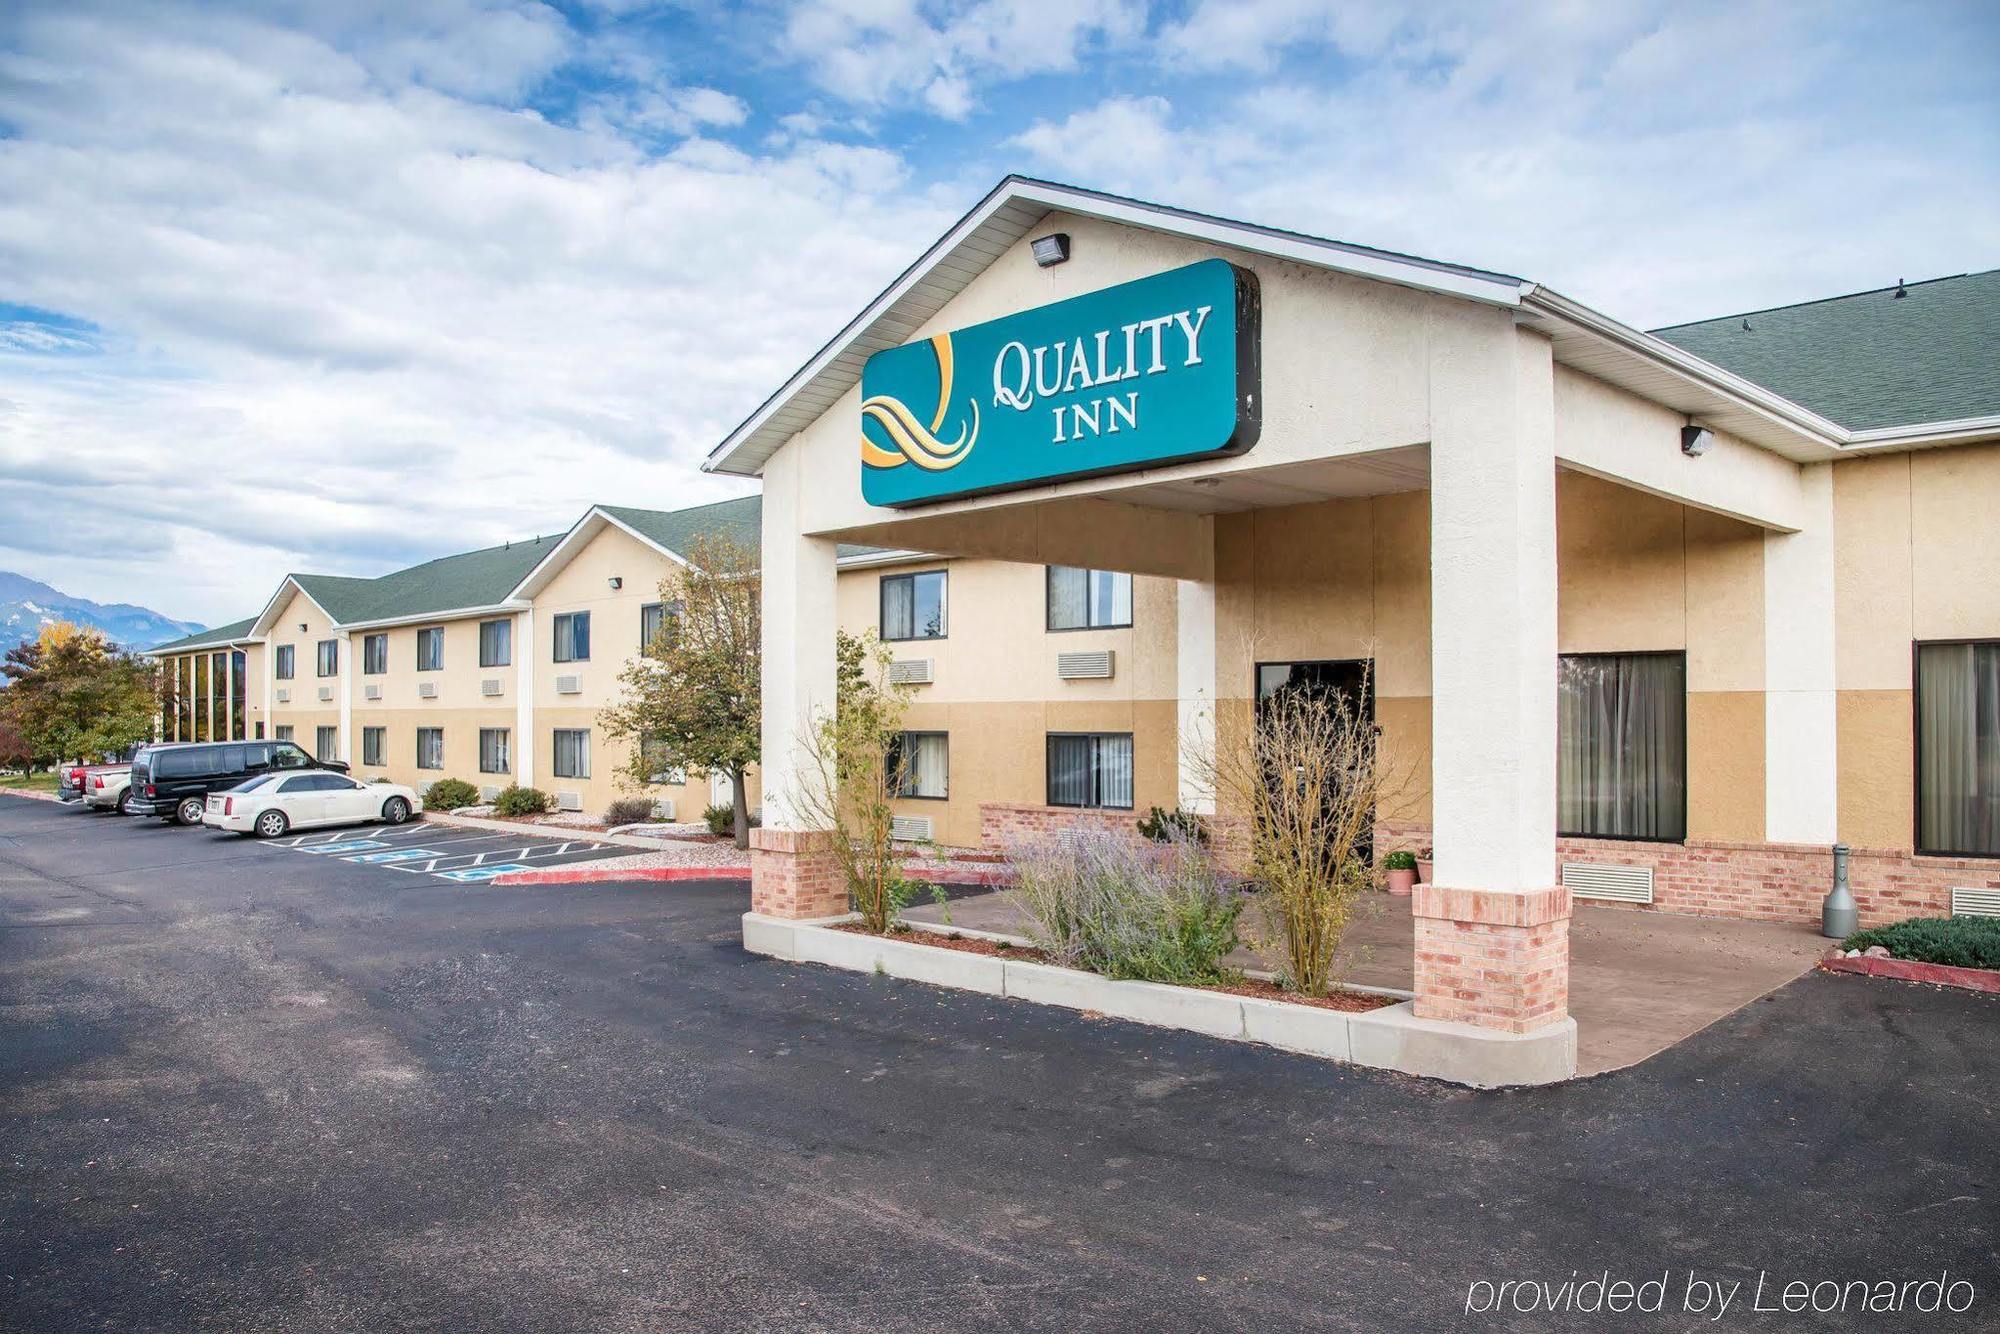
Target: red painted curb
x=1909 y=970
x=590 y=875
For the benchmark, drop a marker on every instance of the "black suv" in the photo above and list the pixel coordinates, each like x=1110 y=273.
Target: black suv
x=173 y=782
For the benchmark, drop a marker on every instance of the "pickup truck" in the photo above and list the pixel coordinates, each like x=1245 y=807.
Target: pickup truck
x=73 y=780
x=107 y=787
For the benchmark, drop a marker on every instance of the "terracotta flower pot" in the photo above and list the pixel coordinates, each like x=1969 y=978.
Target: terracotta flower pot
x=1401 y=881
x=1423 y=870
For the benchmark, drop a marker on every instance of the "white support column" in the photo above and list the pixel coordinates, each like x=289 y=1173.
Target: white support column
x=229 y=694
x=524 y=698
x=343 y=685
x=1195 y=665
x=1801 y=788
x=270 y=684
x=1492 y=937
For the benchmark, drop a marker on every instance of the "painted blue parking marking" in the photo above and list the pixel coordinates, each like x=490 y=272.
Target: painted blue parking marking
x=397 y=855
x=351 y=845
x=474 y=874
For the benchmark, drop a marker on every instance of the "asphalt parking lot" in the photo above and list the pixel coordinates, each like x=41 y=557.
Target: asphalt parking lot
x=446 y=852
x=248 y=1088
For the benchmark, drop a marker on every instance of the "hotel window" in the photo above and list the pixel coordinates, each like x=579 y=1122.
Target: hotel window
x=1089 y=599
x=572 y=752
x=328 y=657
x=913 y=606
x=572 y=637
x=374 y=655
x=495 y=755
x=1958 y=749
x=283 y=667
x=655 y=618
x=920 y=765
x=430 y=748
x=656 y=761
x=1090 y=769
x=1622 y=746
x=326 y=744
x=430 y=649
x=374 y=742
x=496 y=643
x=282 y=732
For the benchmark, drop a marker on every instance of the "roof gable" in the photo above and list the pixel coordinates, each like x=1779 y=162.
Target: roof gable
x=218 y=637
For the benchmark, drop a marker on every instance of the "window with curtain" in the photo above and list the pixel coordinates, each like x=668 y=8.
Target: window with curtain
x=1958 y=748
x=326 y=743
x=920 y=765
x=572 y=637
x=374 y=655
x=572 y=752
x=496 y=643
x=913 y=605
x=373 y=742
x=430 y=649
x=657 y=762
x=1622 y=745
x=282 y=665
x=430 y=748
x=656 y=619
x=494 y=751
x=329 y=657
x=282 y=732
x=1088 y=599
x=1090 y=769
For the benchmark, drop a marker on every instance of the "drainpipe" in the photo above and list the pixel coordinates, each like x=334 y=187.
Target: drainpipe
x=1837 y=915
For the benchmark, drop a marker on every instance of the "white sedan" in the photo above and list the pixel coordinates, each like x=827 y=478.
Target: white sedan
x=273 y=803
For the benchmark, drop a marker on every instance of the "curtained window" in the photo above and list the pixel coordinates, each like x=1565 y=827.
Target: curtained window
x=920 y=764
x=495 y=754
x=374 y=655
x=1089 y=599
x=1090 y=769
x=373 y=743
x=572 y=637
x=430 y=649
x=326 y=743
x=430 y=748
x=1622 y=724
x=496 y=643
x=913 y=605
x=572 y=752
x=1958 y=748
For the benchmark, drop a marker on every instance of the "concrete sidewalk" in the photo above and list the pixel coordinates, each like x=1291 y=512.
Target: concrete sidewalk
x=1639 y=982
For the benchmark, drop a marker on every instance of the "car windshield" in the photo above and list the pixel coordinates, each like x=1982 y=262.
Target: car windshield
x=250 y=784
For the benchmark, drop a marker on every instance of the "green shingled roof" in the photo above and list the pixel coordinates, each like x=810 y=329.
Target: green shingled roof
x=741 y=520
x=449 y=583
x=221 y=634
x=1872 y=359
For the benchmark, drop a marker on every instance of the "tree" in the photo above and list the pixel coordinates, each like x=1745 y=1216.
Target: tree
x=73 y=695
x=694 y=696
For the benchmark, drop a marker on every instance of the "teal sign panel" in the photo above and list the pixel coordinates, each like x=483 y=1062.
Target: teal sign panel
x=1157 y=371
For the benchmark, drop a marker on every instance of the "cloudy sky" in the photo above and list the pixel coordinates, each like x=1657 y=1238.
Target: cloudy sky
x=338 y=287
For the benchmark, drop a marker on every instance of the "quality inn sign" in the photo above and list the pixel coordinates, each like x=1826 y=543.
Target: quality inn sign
x=1157 y=371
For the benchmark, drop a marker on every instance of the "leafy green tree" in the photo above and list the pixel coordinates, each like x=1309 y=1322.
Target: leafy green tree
x=694 y=697
x=73 y=695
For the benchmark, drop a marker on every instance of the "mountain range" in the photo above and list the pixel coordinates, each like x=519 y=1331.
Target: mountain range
x=26 y=605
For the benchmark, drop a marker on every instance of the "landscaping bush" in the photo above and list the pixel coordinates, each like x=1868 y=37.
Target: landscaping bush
x=1402 y=859
x=517 y=800
x=448 y=794
x=1960 y=942
x=721 y=821
x=1163 y=826
x=630 y=810
x=1151 y=912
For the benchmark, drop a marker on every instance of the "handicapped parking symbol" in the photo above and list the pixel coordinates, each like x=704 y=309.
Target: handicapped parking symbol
x=473 y=874
x=352 y=845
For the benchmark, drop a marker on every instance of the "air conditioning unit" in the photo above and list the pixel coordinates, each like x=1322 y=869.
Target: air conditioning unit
x=284 y=695
x=424 y=787
x=663 y=809
x=427 y=690
x=488 y=793
x=911 y=828
x=371 y=691
x=326 y=694
x=1094 y=666
x=490 y=686
x=911 y=672
x=569 y=801
x=1970 y=902
x=668 y=777
x=1601 y=880
x=569 y=685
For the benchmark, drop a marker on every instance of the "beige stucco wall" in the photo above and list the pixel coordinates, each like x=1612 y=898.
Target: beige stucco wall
x=461 y=727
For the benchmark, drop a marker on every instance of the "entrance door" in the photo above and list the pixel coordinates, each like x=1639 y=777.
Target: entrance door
x=1343 y=680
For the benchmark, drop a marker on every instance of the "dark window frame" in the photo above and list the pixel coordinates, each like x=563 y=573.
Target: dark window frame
x=422 y=632
x=439 y=766
x=1049 y=601
x=284 y=661
x=1048 y=772
x=322 y=651
x=321 y=736
x=1917 y=747
x=1680 y=653
x=901 y=795
x=506 y=747
x=882 y=607
x=558 y=641
x=507 y=624
x=375 y=653
x=372 y=754
x=555 y=753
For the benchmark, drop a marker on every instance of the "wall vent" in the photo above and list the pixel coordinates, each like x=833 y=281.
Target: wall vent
x=490 y=686
x=488 y=793
x=1094 y=666
x=911 y=672
x=912 y=828
x=427 y=690
x=569 y=801
x=569 y=685
x=284 y=695
x=424 y=787
x=326 y=694
x=1600 y=880
x=1970 y=902
x=371 y=691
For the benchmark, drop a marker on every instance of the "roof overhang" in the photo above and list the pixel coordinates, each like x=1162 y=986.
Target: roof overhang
x=594 y=521
x=205 y=646
x=267 y=618
x=507 y=608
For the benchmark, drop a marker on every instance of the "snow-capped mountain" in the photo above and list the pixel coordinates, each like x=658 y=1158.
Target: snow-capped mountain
x=26 y=605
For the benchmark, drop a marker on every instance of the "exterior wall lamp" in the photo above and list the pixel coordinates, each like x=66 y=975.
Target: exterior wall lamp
x=616 y=583
x=1050 y=250
x=1696 y=440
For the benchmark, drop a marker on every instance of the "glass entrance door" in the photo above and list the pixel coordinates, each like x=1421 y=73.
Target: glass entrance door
x=1345 y=681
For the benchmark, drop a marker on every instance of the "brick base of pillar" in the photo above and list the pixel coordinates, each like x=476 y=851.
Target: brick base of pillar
x=1495 y=958
x=793 y=873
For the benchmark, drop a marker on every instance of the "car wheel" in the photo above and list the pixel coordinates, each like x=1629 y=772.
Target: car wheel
x=124 y=801
x=189 y=811
x=395 y=810
x=272 y=823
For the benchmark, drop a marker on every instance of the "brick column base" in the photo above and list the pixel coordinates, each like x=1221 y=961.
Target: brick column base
x=793 y=873
x=1495 y=958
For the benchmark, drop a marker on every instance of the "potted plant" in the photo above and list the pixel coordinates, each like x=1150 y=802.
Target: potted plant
x=1400 y=869
x=1424 y=867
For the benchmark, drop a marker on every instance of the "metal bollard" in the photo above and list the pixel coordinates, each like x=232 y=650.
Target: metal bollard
x=1838 y=917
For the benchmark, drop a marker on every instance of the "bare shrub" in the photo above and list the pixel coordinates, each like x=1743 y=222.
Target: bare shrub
x=630 y=810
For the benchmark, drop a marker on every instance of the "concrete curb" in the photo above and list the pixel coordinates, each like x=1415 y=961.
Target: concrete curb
x=1910 y=970
x=584 y=875
x=32 y=796
x=1391 y=1038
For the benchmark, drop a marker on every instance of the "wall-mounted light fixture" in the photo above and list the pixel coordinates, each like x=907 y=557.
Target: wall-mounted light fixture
x=302 y=627
x=616 y=583
x=1696 y=440
x=1050 y=250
